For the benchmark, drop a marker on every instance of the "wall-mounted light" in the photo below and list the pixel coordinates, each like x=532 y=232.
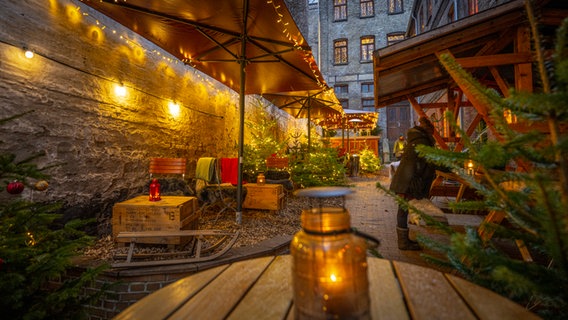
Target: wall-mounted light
x=174 y=109
x=120 y=90
x=28 y=53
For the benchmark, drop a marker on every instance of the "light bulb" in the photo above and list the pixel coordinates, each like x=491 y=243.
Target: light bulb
x=29 y=54
x=174 y=109
x=120 y=90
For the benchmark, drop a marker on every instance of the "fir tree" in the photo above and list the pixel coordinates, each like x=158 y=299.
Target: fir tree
x=33 y=250
x=534 y=198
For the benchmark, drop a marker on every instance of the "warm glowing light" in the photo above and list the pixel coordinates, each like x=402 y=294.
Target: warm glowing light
x=174 y=109
x=120 y=90
x=29 y=54
x=30 y=241
x=333 y=278
x=470 y=167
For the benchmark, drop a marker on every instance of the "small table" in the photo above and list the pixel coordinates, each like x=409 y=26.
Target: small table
x=264 y=197
x=261 y=288
x=172 y=213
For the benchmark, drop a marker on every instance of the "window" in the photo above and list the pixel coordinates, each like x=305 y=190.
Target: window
x=341 y=88
x=367 y=8
x=472 y=6
x=422 y=19
x=368 y=104
x=451 y=13
x=394 y=37
x=339 y=10
x=340 y=51
x=313 y=1
x=344 y=103
x=367 y=48
x=395 y=6
x=367 y=87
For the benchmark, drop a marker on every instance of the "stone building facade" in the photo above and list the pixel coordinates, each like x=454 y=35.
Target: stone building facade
x=344 y=33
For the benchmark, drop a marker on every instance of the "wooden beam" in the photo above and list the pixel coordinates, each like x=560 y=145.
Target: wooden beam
x=416 y=106
x=523 y=71
x=494 y=60
x=469 y=131
x=479 y=102
x=503 y=86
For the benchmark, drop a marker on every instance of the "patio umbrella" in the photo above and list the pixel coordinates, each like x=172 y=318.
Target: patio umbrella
x=315 y=105
x=252 y=46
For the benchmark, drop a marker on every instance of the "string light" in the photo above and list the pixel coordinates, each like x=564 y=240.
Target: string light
x=174 y=109
x=120 y=90
x=308 y=57
x=28 y=53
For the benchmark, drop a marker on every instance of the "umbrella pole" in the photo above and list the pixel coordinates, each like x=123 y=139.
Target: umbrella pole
x=242 y=63
x=239 y=213
x=309 y=133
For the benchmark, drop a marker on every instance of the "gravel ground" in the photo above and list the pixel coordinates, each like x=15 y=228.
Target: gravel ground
x=256 y=226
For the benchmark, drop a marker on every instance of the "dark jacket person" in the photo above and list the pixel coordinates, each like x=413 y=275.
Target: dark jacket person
x=413 y=177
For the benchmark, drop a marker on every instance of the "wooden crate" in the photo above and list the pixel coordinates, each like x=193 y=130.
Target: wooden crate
x=265 y=197
x=169 y=214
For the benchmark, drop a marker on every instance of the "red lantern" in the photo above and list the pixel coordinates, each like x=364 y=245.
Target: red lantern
x=155 y=190
x=15 y=187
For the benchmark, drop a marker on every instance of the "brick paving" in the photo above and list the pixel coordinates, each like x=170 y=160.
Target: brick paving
x=374 y=212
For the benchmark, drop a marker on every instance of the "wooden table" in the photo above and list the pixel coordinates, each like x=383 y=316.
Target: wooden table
x=172 y=213
x=264 y=197
x=261 y=288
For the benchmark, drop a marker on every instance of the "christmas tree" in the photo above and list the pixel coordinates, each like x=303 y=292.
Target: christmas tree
x=35 y=247
x=534 y=197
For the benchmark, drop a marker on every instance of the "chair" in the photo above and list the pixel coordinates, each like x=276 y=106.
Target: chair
x=167 y=166
x=277 y=172
x=169 y=171
x=210 y=188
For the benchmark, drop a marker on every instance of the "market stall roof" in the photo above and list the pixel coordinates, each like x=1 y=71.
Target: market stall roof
x=350 y=119
x=411 y=68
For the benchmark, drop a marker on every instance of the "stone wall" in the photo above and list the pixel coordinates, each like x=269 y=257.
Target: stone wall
x=99 y=141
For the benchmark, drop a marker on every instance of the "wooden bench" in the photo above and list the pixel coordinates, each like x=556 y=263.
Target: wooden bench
x=167 y=166
x=277 y=163
x=223 y=240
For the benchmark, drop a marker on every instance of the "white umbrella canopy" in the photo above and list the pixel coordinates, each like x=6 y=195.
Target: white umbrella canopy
x=252 y=46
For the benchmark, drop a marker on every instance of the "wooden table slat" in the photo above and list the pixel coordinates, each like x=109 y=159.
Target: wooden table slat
x=429 y=293
x=223 y=293
x=488 y=304
x=385 y=294
x=272 y=295
x=160 y=304
x=261 y=288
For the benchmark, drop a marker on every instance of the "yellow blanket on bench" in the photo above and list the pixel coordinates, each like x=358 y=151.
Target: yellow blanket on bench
x=205 y=169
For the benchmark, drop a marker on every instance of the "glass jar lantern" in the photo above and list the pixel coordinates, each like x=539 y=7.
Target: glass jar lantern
x=260 y=179
x=155 y=190
x=329 y=269
x=469 y=167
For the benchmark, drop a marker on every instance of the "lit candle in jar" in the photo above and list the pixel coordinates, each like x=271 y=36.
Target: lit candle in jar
x=469 y=167
x=330 y=266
